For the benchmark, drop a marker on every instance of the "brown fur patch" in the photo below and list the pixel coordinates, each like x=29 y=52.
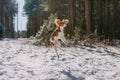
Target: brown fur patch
x=55 y=33
x=59 y=23
x=66 y=21
x=51 y=44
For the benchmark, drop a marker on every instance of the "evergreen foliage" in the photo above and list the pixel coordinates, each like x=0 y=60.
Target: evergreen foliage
x=45 y=30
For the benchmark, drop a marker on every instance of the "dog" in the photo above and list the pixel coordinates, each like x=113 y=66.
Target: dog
x=58 y=33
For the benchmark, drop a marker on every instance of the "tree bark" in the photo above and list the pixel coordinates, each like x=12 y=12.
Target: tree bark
x=88 y=16
x=70 y=15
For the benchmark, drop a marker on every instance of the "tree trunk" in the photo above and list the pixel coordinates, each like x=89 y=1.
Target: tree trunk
x=70 y=15
x=88 y=16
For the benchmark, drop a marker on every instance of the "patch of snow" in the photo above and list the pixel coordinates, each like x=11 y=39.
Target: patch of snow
x=20 y=60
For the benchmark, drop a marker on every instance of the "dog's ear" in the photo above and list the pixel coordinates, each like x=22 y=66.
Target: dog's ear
x=57 y=22
x=66 y=21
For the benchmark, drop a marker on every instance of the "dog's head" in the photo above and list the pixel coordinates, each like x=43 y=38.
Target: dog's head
x=62 y=23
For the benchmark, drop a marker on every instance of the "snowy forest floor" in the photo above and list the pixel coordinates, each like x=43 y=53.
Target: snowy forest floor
x=20 y=60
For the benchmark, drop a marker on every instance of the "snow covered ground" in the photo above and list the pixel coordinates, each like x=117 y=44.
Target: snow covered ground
x=20 y=60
